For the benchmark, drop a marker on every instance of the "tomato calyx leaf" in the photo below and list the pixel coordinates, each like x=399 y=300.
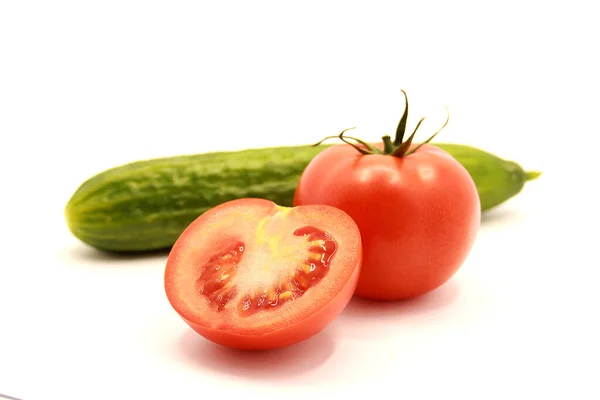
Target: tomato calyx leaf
x=402 y=124
x=399 y=147
x=432 y=136
x=403 y=148
x=360 y=145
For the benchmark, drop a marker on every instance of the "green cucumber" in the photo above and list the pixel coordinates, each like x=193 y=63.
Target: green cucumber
x=497 y=180
x=146 y=205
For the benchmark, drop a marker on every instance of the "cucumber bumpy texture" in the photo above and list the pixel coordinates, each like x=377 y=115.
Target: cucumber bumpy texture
x=146 y=205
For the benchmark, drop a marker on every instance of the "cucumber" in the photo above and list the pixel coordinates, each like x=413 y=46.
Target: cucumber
x=146 y=205
x=497 y=180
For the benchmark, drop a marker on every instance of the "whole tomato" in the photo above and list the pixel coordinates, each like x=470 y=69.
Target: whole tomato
x=416 y=207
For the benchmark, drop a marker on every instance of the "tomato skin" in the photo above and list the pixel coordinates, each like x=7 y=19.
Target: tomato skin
x=241 y=220
x=289 y=335
x=418 y=215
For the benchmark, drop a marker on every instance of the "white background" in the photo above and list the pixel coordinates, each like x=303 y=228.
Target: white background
x=85 y=86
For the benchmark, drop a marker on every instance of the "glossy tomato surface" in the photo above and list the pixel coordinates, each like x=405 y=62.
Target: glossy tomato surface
x=250 y=274
x=418 y=214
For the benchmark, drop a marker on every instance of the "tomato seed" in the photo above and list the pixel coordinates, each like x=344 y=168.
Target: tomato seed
x=216 y=274
x=322 y=248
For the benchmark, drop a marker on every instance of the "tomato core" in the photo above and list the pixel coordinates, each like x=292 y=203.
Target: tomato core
x=217 y=275
x=315 y=267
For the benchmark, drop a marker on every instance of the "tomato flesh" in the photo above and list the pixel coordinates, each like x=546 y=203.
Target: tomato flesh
x=215 y=275
x=253 y=275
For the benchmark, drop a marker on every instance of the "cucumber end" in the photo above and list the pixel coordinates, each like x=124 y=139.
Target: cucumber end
x=531 y=175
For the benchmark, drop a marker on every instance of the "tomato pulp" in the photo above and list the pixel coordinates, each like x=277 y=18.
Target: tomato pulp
x=250 y=274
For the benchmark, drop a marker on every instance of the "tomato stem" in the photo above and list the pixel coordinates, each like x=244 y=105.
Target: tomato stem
x=399 y=147
x=388 y=146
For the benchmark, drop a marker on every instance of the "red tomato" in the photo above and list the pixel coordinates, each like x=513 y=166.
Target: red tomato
x=418 y=214
x=250 y=274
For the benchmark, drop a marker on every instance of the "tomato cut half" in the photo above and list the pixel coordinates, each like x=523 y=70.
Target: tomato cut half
x=251 y=274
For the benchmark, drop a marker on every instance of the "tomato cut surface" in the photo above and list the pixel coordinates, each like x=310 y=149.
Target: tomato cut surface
x=253 y=275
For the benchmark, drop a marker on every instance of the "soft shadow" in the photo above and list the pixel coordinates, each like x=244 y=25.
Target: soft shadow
x=499 y=216
x=368 y=318
x=268 y=364
x=87 y=253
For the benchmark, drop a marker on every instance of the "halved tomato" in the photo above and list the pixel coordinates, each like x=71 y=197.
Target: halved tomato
x=251 y=274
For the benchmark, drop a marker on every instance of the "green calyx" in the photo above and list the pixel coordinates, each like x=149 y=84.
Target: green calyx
x=399 y=147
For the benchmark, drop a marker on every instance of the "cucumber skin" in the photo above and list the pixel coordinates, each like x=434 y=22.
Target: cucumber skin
x=497 y=180
x=146 y=205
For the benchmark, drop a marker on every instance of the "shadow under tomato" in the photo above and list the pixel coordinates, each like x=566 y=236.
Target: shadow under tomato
x=368 y=318
x=501 y=215
x=87 y=253
x=268 y=364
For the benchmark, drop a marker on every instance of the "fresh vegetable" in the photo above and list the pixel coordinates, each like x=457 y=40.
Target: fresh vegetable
x=497 y=180
x=251 y=274
x=146 y=205
x=416 y=206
